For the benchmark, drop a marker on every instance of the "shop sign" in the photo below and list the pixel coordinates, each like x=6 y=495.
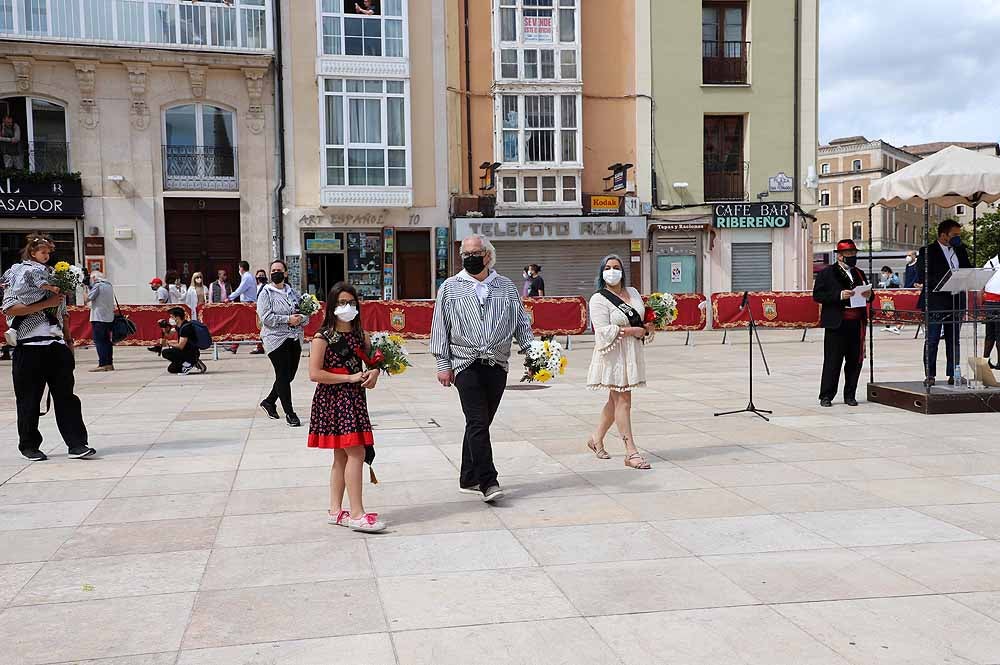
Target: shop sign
x=324 y=245
x=369 y=220
x=603 y=204
x=55 y=198
x=536 y=29
x=93 y=246
x=752 y=215
x=667 y=227
x=553 y=229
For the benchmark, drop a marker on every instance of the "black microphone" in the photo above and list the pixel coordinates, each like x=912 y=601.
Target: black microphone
x=746 y=298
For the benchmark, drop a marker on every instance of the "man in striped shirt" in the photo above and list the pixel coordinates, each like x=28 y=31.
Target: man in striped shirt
x=477 y=315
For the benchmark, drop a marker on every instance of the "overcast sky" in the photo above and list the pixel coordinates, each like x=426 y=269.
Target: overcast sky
x=910 y=71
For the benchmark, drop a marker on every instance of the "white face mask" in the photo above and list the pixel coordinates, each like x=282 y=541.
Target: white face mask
x=346 y=313
x=612 y=276
x=172 y=321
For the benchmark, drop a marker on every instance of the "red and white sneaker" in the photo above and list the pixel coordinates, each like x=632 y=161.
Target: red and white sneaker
x=367 y=523
x=340 y=519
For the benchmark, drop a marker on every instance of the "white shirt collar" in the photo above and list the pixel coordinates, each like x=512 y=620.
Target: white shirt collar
x=492 y=275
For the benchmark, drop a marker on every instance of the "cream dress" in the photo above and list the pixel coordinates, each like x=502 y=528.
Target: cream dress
x=618 y=362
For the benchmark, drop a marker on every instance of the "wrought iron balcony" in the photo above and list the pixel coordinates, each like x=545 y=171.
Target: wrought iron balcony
x=194 y=168
x=36 y=157
x=211 y=25
x=726 y=181
x=724 y=62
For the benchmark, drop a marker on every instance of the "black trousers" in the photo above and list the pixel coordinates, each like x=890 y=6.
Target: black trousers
x=480 y=387
x=940 y=325
x=177 y=357
x=842 y=349
x=34 y=368
x=285 y=359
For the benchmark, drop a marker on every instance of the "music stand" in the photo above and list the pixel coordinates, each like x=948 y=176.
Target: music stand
x=752 y=330
x=957 y=282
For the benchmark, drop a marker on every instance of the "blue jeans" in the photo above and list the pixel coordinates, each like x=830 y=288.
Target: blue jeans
x=102 y=340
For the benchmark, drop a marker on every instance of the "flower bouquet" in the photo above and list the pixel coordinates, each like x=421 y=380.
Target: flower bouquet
x=388 y=353
x=543 y=360
x=308 y=304
x=66 y=278
x=661 y=310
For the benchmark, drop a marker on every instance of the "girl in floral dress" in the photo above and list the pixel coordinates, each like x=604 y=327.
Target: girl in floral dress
x=339 y=418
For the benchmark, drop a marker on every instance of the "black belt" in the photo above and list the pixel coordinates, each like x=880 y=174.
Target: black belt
x=29 y=340
x=489 y=362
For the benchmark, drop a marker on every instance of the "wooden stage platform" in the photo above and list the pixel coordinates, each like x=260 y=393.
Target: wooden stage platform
x=912 y=396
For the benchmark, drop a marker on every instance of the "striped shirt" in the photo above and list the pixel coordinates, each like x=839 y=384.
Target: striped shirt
x=465 y=330
x=274 y=306
x=22 y=286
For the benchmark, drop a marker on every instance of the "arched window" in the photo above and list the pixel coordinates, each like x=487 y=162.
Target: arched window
x=38 y=135
x=856 y=231
x=856 y=196
x=824 y=233
x=824 y=198
x=199 y=147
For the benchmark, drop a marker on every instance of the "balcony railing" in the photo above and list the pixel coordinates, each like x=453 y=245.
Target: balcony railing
x=724 y=62
x=36 y=157
x=213 y=25
x=726 y=182
x=195 y=168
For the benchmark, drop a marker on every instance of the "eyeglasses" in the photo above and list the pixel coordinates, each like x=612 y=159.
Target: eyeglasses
x=347 y=302
x=466 y=255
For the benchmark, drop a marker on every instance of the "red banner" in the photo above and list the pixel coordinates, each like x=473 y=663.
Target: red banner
x=230 y=321
x=770 y=309
x=896 y=306
x=690 y=314
x=557 y=316
x=145 y=317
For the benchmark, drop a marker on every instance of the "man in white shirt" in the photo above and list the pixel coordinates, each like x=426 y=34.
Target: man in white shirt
x=245 y=292
x=991 y=297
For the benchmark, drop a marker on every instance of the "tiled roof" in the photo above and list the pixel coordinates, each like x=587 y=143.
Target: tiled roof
x=924 y=149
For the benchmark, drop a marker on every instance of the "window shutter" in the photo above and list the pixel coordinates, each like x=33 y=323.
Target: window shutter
x=751 y=266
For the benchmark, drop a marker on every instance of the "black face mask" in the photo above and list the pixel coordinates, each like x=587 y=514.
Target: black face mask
x=851 y=261
x=261 y=279
x=474 y=264
x=277 y=277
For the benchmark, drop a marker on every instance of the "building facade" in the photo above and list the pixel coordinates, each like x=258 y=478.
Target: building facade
x=145 y=134
x=734 y=144
x=365 y=127
x=545 y=126
x=847 y=167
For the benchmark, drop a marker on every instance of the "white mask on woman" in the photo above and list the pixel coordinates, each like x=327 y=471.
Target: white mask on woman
x=346 y=313
x=172 y=321
x=612 y=276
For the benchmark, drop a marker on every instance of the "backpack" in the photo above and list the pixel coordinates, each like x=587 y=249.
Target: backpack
x=202 y=338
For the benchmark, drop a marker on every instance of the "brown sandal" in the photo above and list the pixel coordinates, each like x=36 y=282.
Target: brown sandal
x=600 y=453
x=637 y=461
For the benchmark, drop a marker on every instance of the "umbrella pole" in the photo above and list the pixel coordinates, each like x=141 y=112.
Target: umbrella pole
x=975 y=245
x=927 y=292
x=870 y=309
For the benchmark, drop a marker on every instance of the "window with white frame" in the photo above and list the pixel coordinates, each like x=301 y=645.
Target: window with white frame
x=365 y=133
x=539 y=129
x=824 y=198
x=824 y=168
x=856 y=195
x=856 y=165
x=824 y=233
x=959 y=210
x=537 y=40
x=856 y=233
x=543 y=189
x=367 y=28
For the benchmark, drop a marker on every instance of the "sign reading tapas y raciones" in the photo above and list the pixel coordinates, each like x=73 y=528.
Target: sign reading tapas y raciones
x=58 y=197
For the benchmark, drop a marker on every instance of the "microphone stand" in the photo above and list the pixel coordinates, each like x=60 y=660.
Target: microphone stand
x=752 y=331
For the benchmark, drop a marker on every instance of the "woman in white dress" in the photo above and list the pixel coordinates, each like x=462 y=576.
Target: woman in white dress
x=617 y=313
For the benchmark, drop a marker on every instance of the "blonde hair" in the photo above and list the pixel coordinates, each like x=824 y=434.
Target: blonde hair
x=196 y=275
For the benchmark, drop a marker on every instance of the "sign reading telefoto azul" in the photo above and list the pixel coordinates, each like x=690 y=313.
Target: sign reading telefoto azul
x=567 y=228
x=752 y=215
x=61 y=197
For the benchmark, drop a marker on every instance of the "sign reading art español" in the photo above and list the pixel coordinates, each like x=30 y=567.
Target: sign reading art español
x=752 y=215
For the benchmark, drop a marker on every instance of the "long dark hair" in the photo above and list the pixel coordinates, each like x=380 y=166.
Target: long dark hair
x=330 y=319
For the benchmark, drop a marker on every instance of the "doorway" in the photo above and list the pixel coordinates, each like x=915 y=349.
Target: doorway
x=202 y=235
x=323 y=271
x=413 y=264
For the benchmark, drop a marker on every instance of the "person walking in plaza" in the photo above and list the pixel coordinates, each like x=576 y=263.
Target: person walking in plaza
x=537 y=287
x=935 y=261
x=339 y=418
x=844 y=324
x=281 y=333
x=617 y=313
x=43 y=357
x=196 y=295
x=526 y=284
x=910 y=276
x=101 y=298
x=477 y=316
x=261 y=277
x=219 y=290
x=246 y=291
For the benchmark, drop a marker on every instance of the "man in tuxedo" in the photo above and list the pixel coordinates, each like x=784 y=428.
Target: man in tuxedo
x=934 y=262
x=844 y=325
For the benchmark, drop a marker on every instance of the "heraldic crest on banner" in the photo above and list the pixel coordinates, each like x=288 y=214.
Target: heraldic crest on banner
x=770 y=307
x=887 y=303
x=397 y=319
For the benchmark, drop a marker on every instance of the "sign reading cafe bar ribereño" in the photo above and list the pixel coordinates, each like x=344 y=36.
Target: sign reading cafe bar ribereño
x=752 y=215
x=57 y=197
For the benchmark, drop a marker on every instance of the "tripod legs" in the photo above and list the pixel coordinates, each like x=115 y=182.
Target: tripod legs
x=751 y=407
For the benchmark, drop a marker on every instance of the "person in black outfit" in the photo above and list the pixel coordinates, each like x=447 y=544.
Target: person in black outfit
x=843 y=343
x=934 y=262
x=537 y=287
x=182 y=354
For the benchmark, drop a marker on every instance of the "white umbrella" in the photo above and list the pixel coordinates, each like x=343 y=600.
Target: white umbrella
x=947 y=178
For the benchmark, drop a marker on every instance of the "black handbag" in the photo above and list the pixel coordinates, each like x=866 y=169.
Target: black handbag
x=121 y=327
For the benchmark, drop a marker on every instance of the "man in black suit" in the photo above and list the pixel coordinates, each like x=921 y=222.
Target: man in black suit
x=934 y=262
x=844 y=340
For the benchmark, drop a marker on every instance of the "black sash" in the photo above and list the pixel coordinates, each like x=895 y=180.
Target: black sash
x=634 y=318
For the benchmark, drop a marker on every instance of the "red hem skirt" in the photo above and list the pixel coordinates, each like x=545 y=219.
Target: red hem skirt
x=341 y=440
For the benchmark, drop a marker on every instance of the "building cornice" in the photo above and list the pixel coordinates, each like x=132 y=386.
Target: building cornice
x=48 y=51
x=864 y=147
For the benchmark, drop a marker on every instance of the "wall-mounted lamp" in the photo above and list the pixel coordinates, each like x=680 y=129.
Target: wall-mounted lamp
x=116 y=178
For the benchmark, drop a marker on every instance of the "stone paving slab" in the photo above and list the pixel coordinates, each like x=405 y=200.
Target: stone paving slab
x=198 y=536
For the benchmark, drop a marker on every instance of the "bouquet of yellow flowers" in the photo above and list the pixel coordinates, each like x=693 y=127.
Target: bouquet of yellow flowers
x=66 y=278
x=388 y=353
x=308 y=304
x=662 y=310
x=543 y=360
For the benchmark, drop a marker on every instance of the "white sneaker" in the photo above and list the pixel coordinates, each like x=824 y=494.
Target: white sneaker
x=367 y=523
x=186 y=368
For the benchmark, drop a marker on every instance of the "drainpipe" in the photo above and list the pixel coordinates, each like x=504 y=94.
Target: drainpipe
x=468 y=103
x=278 y=231
x=797 y=139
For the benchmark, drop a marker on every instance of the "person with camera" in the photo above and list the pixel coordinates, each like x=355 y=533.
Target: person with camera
x=183 y=353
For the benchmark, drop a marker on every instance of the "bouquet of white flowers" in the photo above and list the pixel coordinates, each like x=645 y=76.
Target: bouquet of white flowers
x=389 y=353
x=543 y=360
x=308 y=304
x=662 y=310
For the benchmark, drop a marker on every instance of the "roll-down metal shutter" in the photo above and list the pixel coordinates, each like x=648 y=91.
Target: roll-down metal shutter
x=568 y=267
x=751 y=266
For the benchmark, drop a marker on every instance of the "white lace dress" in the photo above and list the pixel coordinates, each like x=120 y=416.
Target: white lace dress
x=618 y=362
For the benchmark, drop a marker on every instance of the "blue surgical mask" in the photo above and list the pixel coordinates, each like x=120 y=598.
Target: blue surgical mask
x=955 y=241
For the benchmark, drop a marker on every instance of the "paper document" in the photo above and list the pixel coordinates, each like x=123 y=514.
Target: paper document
x=860 y=299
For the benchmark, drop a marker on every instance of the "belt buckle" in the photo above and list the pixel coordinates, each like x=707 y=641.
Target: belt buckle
x=488 y=361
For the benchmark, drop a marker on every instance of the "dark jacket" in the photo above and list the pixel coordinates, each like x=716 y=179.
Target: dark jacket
x=826 y=291
x=936 y=269
x=910 y=278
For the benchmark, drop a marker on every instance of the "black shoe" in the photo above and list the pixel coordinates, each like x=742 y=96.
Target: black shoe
x=270 y=409
x=293 y=420
x=154 y=349
x=471 y=489
x=962 y=381
x=850 y=401
x=990 y=362
x=34 y=455
x=80 y=452
x=826 y=402
x=200 y=366
x=929 y=381
x=492 y=493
